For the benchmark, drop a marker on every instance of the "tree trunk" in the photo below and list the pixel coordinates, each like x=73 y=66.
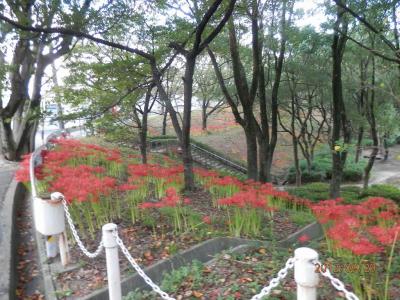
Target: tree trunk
x=164 y=122
x=359 y=143
x=143 y=127
x=361 y=104
x=295 y=143
x=8 y=148
x=167 y=102
x=251 y=146
x=338 y=110
x=385 y=146
x=186 y=123
x=262 y=153
x=19 y=82
x=274 y=95
x=296 y=160
x=204 y=117
x=374 y=131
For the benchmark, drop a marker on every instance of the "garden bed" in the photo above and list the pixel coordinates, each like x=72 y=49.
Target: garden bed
x=239 y=276
x=103 y=184
x=150 y=244
x=156 y=219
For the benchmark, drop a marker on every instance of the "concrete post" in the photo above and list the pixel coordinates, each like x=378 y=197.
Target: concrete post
x=113 y=272
x=64 y=249
x=304 y=273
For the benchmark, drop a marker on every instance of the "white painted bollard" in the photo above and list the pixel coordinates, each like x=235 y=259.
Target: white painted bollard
x=113 y=273
x=49 y=214
x=304 y=273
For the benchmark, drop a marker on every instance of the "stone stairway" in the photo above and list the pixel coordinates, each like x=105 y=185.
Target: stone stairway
x=203 y=157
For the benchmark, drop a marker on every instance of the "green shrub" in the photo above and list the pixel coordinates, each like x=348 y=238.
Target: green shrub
x=383 y=190
x=314 y=191
x=391 y=142
x=320 y=191
x=353 y=173
x=351 y=194
x=321 y=168
x=367 y=142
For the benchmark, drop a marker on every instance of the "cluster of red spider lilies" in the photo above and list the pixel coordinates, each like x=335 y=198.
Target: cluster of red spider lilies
x=102 y=184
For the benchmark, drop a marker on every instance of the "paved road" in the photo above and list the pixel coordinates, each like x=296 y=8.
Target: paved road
x=387 y=172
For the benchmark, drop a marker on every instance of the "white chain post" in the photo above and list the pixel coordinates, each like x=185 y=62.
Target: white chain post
x=62 y=237
x=304 y=273
x=139 y=270
x=275 y=281
x=112 y=260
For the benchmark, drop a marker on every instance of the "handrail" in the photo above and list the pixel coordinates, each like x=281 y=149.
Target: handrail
x=213 y=155
x=230 y=163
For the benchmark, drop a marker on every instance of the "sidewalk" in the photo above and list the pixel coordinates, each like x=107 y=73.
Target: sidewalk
x=7 y=170
x=8 y=189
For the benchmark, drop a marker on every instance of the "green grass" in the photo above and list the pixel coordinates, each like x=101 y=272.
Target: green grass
x=318 y=191
x=301 y=218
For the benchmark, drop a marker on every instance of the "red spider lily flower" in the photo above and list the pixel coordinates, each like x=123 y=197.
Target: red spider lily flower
x=386 y=215
x=378 y=202
x=385 y=236
x=171 y=199
x=251 y=198
x=365 y=247
x=206 y=220
x=351 y=222
x=205 y=173
x=361 y=210
x=23 y=175
x=170 y=192
x=303 y=238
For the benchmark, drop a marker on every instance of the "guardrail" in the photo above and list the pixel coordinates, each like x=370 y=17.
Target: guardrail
x=220 y=159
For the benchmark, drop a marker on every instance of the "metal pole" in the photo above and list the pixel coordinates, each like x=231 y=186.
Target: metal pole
x=304 y=273
x=113 y=273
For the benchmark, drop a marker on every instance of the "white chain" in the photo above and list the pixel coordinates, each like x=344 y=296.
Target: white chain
x=76 y=236
x=134 y=264
x=337 y=283
x=275 y=281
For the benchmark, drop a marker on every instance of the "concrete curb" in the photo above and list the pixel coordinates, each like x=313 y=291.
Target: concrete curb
x=15 y=192
x=313 y=231
x=203 y=252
